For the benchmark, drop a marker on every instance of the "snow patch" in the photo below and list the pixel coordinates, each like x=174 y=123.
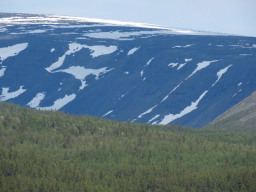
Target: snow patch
x=37 y=31
x=146 y=112
x=133 y=50
x=123 y=95
x=35 y=102
x=181 y=65
x=117 y=35
x=111 y=111
x=240 y=90
x=150 y=60
x=220 y=73
x=2 y=72
x=81 y=73
x=59 y=103
x=201 y=66
x=173 y=64
x=239 y=84
x=6 y=95
x=52 y=50
x=166 y=97
x=180 y=46
x=154 y=118
x=96 y=51
x=141 y=73
x=171 y=117
x=126 y=73
x=11 y=51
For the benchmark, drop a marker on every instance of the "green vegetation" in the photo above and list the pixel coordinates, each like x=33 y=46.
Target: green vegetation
x=53 y=151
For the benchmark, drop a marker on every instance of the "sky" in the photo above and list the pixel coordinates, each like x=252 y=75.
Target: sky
x=225 y=16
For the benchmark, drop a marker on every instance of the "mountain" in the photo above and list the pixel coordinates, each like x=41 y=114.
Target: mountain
x=241 y=117
x=123 y=71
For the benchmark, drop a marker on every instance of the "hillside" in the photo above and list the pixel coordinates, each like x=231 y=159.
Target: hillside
x=241 y=117
x=54 y=151
x=123 y=71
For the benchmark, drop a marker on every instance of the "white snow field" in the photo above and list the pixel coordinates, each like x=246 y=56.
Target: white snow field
x=35 y=102
x=96 y=51
x=11 y=51
x=201 y=66
x=81 y=73
x=133 y=50
x=146 y=112
x=59 y=103
x=2 y=71
x=6 y=95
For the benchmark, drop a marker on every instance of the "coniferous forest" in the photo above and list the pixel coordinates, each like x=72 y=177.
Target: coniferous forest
x=54 y=151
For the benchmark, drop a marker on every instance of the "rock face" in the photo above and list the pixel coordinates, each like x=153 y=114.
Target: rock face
x=123 y=71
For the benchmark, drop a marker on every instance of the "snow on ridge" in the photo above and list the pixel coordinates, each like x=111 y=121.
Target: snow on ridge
x=239 y=84
x=146 y=112
x=52 y=50
x=59 y=103
x=117 y=35
x=133 y=50
x=111 y=111
x=96 y=51
x=81 y=73
x=171 y=117
x=2 y=71
x=200 y=66
x=57 y=20
x=35 y=102
x=220 y=73
x=11 y=51
x=6 y=95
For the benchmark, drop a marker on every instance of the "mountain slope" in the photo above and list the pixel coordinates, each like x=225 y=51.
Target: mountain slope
x=123 y=71
x=241 y=117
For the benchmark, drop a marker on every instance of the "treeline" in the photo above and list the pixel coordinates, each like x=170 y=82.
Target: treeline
x=54 y=151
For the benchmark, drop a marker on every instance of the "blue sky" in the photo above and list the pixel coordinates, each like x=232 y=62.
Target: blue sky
x=226 y=16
